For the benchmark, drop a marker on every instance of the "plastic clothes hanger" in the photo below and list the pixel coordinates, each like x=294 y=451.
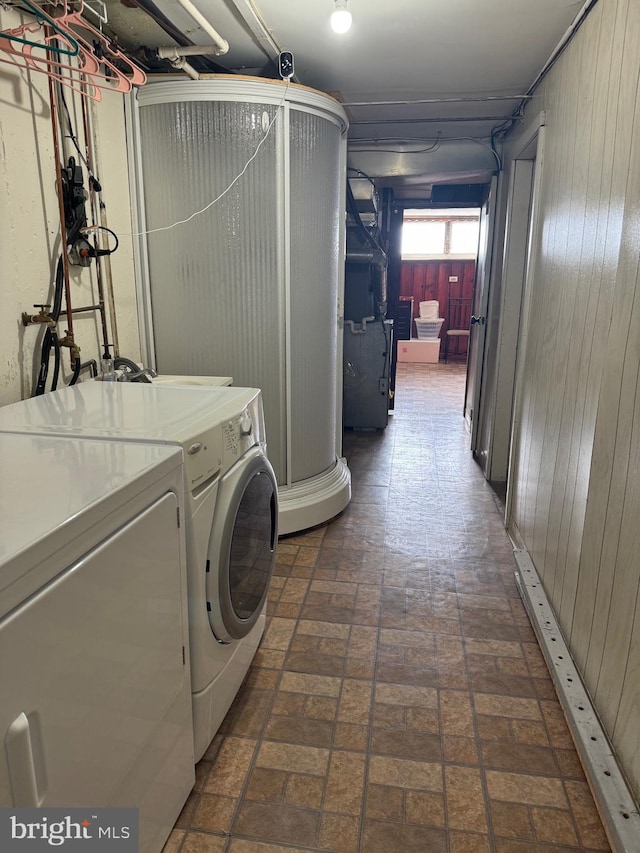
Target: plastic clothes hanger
x=22 y=59
x=137 y=76
x=87 y=78
x=16 y=34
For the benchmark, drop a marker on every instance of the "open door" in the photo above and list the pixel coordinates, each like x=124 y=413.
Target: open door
x=475 y=362
x=505 y=333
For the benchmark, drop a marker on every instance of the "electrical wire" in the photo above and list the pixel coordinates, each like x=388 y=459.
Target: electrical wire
x=56 y=360
x=50 y=339
x=434 y=147
x=227 y=189
x=73 y=137
x=362 y=174
x=99 y=252
x=484 y=145
x=77 y=367
x=376 y=150
x=501 y=130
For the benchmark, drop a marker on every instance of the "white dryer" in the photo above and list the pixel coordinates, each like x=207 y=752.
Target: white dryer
x=231 y=510
x=95 y=703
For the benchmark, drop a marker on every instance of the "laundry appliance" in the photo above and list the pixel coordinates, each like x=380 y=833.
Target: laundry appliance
x=231 y=510
x=95 y=697
x=171 y=379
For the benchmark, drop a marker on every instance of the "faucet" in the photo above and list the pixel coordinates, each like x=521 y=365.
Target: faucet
x=141 y=376
x=129 y=371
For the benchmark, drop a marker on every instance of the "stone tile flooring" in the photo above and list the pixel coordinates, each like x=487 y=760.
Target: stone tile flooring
x=399 y=701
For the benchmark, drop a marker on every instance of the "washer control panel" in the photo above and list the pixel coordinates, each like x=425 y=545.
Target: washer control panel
x=238 y=436
x=215 y=450
x=203 y=457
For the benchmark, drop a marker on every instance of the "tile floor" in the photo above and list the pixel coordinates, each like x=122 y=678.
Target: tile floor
x=399 y=701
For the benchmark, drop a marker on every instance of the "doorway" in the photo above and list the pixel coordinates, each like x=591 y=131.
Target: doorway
x=507 y=310
x=437 y=265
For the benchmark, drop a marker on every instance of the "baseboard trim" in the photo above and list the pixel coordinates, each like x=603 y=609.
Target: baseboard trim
x=613 y=798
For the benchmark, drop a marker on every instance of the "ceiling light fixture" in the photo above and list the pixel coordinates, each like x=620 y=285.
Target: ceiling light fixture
x=340 y=17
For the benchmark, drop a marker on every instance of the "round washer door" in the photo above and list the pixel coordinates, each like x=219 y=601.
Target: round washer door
x=242 y=547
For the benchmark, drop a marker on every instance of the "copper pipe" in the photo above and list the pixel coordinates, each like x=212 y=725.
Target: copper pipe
x=86 y=309
x=55 y=126
x=92 y=196
x=104 y=261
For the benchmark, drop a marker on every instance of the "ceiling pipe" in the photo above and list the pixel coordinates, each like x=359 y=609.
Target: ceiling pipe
x=564 y=41
x=253 y=20
x=466 y=100
x=177 y=51
x=181 y=64
x=221 y=44
x=434 y=120
x=505 y=126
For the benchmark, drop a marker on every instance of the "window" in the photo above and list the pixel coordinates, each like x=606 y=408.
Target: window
x=423 y=238
x=440 y=234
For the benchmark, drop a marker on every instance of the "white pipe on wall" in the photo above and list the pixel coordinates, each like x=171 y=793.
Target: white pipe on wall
x=180 y=63
x=564 y=41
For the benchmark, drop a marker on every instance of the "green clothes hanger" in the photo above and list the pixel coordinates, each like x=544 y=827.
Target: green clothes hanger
x=41 y=19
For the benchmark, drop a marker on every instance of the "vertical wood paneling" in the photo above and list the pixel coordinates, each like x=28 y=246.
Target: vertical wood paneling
x=556 y=316
x=525 y=488
x=425 y=280
x=569 y=340
x=581 y=429
x=576 y=469
x=617 y=444
x=603 y=511
x=615 y=159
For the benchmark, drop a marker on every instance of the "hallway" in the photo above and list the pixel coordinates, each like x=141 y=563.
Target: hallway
x=399 y=701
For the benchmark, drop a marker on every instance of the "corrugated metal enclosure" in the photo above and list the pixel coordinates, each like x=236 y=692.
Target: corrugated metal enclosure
x=250 y=286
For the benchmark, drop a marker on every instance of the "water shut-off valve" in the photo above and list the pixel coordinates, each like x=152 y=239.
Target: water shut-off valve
x=42 y=317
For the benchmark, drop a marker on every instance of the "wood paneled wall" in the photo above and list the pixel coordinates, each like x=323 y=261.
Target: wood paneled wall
x=426 y=280
x=576 y=464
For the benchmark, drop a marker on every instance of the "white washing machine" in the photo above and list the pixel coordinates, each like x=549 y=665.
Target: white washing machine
x=169 y=379
x=95 y=697
x=231 y=510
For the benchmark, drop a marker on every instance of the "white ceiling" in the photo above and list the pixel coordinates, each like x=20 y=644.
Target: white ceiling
x=487 y=52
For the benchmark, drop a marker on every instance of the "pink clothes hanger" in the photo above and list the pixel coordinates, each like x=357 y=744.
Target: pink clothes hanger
x=95 y=69
x=136 y=76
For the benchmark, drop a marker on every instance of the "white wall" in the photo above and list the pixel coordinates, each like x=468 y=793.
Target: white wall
x=29 y=223
x=576 y=466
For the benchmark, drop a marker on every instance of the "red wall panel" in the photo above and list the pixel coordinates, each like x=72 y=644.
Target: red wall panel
x=425 y=280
